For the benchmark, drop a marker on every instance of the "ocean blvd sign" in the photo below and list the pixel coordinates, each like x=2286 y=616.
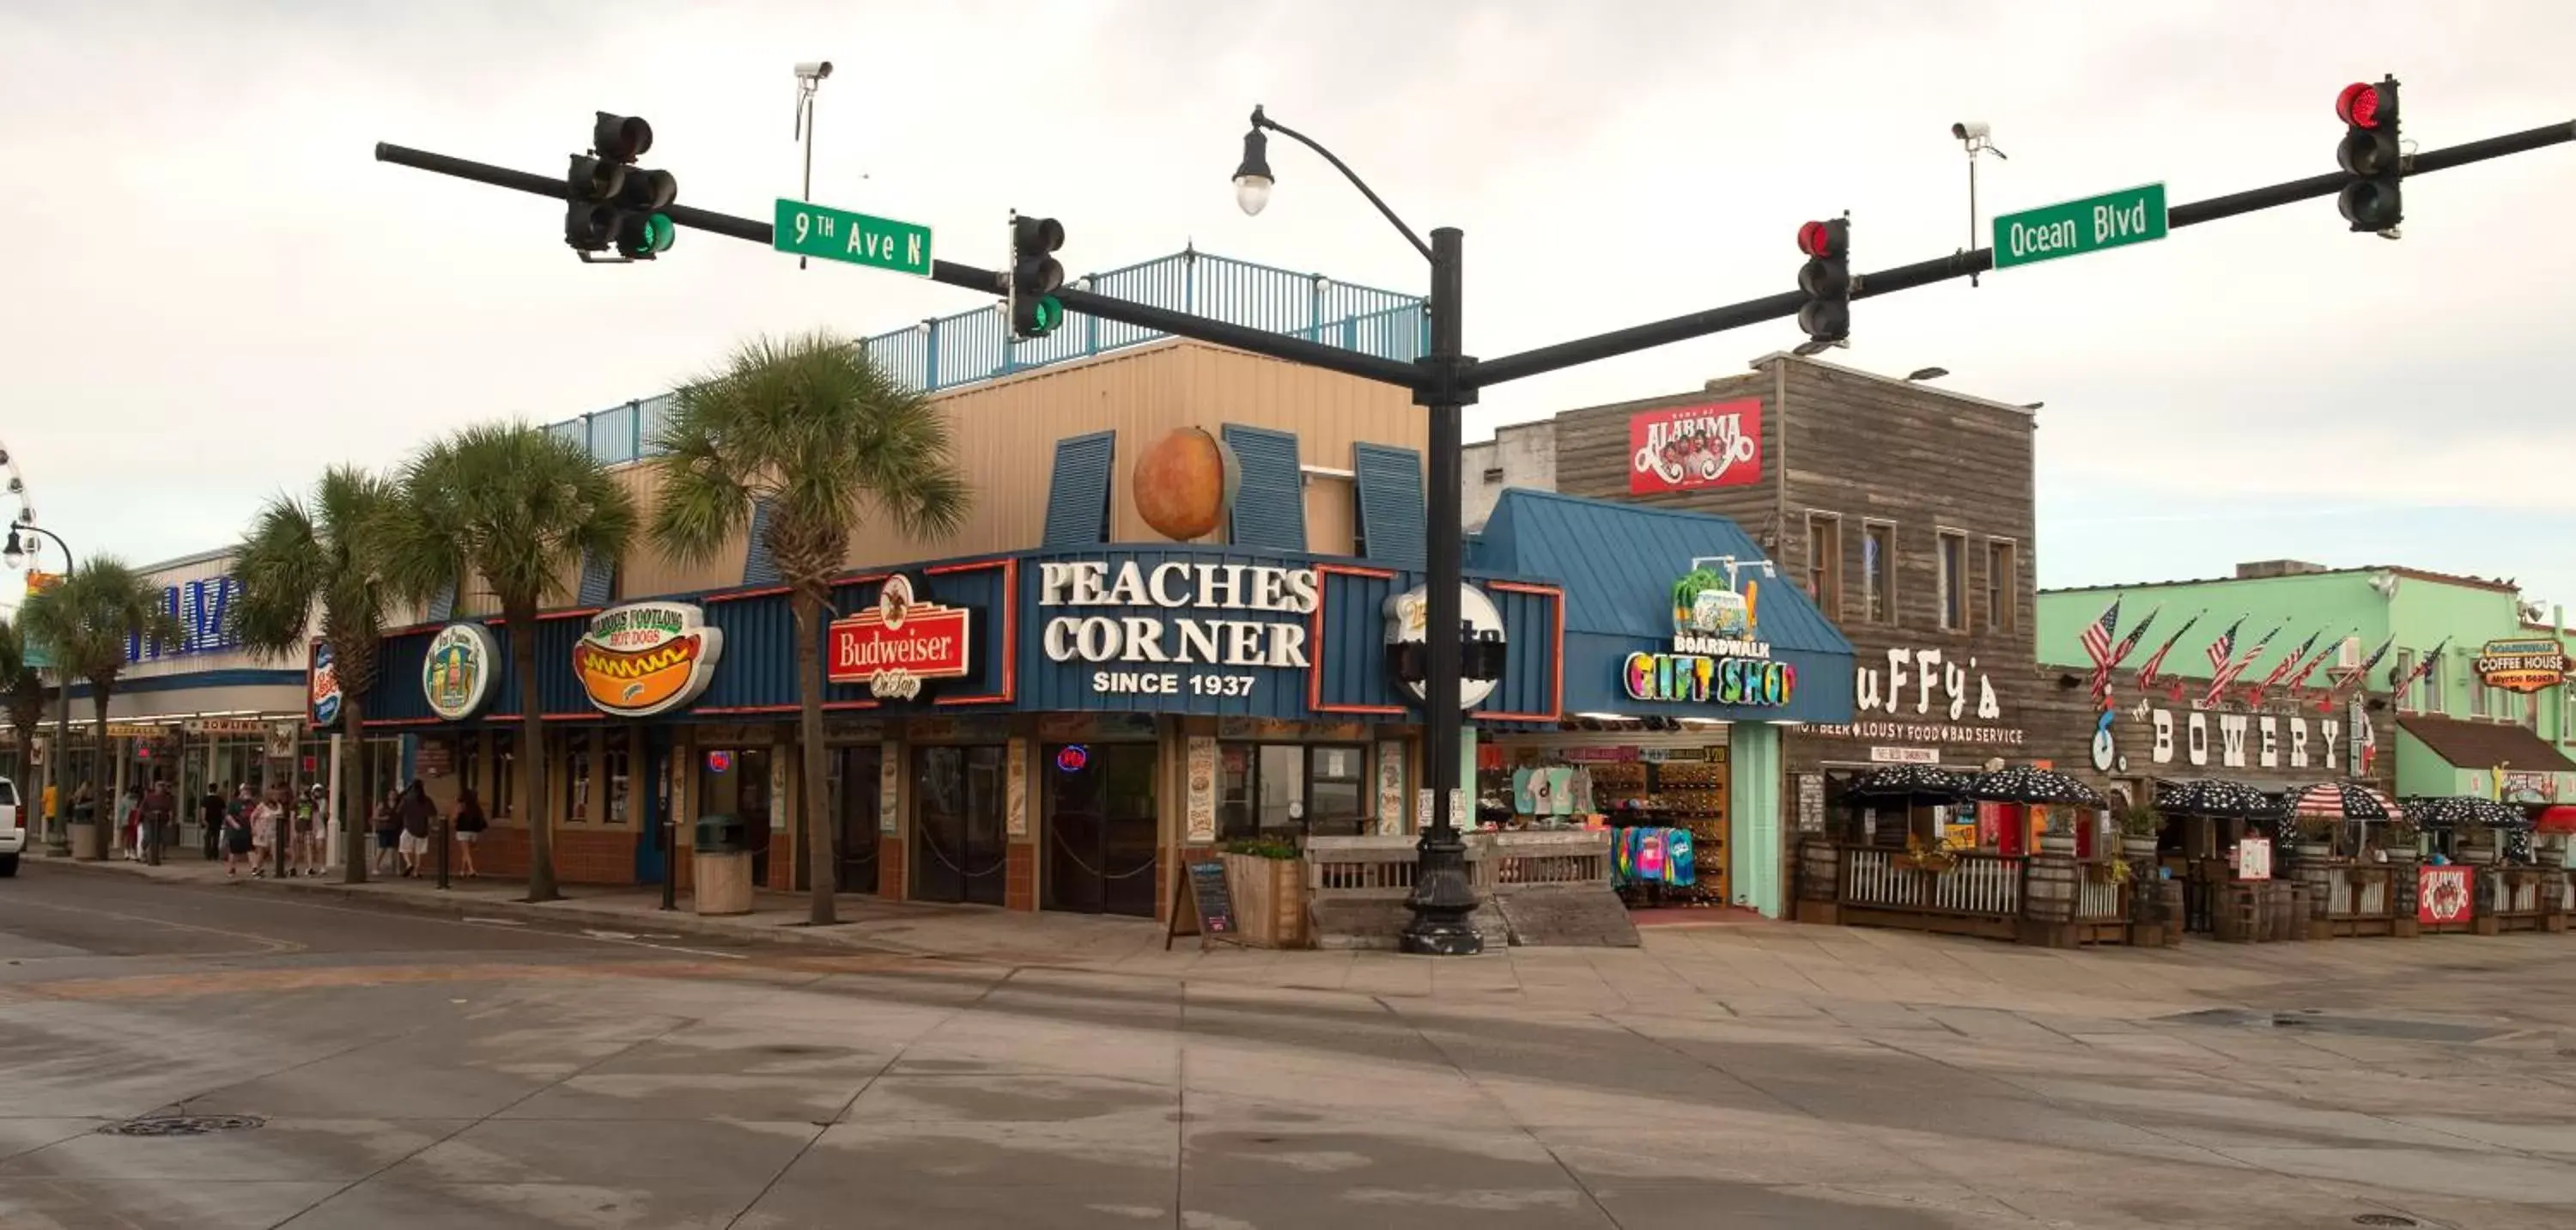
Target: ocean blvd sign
x=1160 y=653
x=2073 y=228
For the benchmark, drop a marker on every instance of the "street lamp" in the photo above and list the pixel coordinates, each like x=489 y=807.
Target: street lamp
x=1442 y=897
x=57 y=841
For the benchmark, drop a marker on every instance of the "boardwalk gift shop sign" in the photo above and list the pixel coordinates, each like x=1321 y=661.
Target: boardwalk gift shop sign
x=1716 y=445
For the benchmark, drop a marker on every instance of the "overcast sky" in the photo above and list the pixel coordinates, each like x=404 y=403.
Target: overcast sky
x=211 y=290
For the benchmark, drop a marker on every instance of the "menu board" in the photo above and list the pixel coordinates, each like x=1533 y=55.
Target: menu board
x=1811 y=802
x=1200 y=897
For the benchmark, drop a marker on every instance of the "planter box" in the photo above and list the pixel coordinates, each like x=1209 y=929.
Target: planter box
x=1269 y=900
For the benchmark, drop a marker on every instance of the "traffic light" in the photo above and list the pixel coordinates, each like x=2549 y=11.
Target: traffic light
x=1034 y=276
x=2369 y=153
x=612 y=203
x=1826 y=282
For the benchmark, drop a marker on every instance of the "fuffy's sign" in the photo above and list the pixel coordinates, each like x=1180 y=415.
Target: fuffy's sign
x=1713 y=445
x=900 y=643
x=646 y=658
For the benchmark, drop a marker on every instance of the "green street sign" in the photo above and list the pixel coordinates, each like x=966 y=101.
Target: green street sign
x=820 y=231
x=35 y=656
x=2073 y=228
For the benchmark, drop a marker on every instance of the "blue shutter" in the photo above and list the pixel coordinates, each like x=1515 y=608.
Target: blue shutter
x=596 y=573
x=1270 y=504
x=442 y=605
x=759 y=567
x=1393 y=529
x=1077 y=512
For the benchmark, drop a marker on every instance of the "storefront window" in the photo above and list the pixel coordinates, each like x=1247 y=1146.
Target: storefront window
x=469 y=768
x=1291 y=790
x=1954 y=582
x=576 y=776
x=615 y=762
x=1825 y=564
x=505 y=784
x=1877 y=572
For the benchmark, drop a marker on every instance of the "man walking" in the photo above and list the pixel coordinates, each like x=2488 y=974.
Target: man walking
x=160 y=810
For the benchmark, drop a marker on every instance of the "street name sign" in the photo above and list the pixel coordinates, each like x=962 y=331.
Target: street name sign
x=2073 y=228
x=825 y=233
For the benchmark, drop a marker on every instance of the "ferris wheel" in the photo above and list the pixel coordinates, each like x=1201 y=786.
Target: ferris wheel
x=26 y=514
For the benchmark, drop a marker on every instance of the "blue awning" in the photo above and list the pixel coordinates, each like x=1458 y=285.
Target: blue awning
x=1620 y=564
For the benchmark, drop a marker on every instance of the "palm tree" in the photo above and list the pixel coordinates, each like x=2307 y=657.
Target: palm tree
x=22 y=693
x=320 y=551
x=812 y=428
x=517 y=507
x=86 y=621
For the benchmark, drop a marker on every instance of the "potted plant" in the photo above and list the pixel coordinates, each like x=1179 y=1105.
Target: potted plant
x=1267 y=878
x=2474 y=843
x=2139 y=827
x=2316 y=839
x=2399 y=840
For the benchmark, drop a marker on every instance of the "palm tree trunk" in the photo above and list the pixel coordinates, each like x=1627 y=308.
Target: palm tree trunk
x=102 y=809
x=354 y=803
x=532 y=754
x=807 y=603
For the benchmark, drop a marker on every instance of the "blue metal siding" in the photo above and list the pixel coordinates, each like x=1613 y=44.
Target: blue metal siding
x=1393 y=530
x=598 y=572
x=1618 y=563
x=1270 y=502
x=759 y=567
x=1528 y=684
x=1077 y=512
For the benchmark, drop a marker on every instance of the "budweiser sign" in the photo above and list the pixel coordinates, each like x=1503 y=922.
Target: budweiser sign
x=1718 y=445
x=902 y=642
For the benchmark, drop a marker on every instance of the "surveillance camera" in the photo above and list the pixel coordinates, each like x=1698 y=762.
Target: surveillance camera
x=1970 y=130
x=814 y=70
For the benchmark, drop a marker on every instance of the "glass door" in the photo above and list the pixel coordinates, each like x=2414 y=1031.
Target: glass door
x=1101 y=828
x=854 y=815
x=957 y=824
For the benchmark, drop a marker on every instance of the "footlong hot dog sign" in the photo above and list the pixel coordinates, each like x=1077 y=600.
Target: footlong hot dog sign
x=646 y=658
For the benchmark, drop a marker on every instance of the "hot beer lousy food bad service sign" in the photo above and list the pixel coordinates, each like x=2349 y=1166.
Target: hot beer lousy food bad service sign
x=646 y=658
x=1713 y=445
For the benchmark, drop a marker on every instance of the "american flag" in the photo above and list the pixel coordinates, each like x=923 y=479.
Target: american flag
x=2282 y=672
x=2345 y=679
x=2224 y=647
x=2227 y=674
x=2422 y=668
x=2147 y=674
x=2097 y=634
x=2128 y=645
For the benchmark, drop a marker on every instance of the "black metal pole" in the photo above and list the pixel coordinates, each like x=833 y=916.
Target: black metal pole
x=438 y=826
x=58 y=764
x=1443 y=897
x=664 y=819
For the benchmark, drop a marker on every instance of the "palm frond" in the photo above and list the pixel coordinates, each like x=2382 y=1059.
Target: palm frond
x=512 y=504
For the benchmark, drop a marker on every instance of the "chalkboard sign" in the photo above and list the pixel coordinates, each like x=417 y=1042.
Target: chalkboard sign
x=1200 y=901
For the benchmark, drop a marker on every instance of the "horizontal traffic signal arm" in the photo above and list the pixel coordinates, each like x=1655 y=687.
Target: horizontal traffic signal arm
x=1961 y=264
x=1425 y=377
x=989 y=281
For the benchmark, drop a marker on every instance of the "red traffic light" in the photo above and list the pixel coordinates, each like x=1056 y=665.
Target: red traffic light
x=2358 y=105
x=1816 y=239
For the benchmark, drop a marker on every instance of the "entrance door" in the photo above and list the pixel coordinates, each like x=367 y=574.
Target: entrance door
x=1101 y=828
x=854 y=815
x=735 y=782
x=957 y=824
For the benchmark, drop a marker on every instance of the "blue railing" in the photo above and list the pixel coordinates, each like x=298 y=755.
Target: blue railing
x=946 y=352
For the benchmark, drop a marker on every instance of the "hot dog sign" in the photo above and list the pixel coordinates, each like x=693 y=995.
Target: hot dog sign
x=646 y=658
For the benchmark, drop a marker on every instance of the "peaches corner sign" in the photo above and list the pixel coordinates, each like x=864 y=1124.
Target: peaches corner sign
x=646 y=658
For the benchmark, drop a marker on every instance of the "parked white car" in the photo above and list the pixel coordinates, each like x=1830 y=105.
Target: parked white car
x=13 y=836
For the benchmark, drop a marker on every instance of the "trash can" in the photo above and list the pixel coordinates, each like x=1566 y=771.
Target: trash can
x=720 y=874
x=89 y=841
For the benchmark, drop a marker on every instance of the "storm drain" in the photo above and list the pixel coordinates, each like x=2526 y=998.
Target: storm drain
x=2359 y=1026
x=182 y=1125
x=2384 y=1219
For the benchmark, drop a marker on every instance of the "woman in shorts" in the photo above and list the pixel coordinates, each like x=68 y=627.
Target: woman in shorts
x=265 y=820
x=387 y=827
x=237 y=845
x=415 y=812
x=470 y=823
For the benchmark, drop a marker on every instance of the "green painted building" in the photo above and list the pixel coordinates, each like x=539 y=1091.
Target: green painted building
x=2423 y=682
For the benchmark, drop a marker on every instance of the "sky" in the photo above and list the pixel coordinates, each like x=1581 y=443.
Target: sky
x=211 y=291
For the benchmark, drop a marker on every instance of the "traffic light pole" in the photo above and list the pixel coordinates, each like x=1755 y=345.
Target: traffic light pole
x=1442 y=896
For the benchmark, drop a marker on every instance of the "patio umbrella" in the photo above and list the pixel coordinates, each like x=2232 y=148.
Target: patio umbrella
x=2024 y=784
x=2451 y=811
x=1909 y=781
x=2214 y=798
x=2558 y=819
x=2334 y=801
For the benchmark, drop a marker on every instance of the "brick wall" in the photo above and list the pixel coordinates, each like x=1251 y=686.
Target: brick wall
x=890 y=868
x=582 y=856
x=1020 y=877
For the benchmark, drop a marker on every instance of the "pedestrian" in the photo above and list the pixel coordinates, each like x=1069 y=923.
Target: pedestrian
x=210 y=814
x=84 y=805
x=265 y=819
x=386 y=824
x=305 y=854
x=470 y=823
x=237 y=837
x=129 y=823
x=160 y=811
x=415 y=811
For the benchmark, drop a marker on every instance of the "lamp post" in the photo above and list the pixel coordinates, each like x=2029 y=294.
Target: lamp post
x=57 y=840
x=1442 y=897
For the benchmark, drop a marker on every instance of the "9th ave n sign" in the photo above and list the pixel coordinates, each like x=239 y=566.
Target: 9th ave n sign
x=2073 y=228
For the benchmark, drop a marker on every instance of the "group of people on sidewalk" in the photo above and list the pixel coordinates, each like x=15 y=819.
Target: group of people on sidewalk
x=251 y=827
x=403 y=822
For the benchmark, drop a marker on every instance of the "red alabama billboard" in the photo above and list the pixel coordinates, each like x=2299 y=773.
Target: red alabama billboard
x=1713 y=445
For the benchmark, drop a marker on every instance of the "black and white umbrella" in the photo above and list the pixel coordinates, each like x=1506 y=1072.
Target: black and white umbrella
x=1928 y=782
x=2024 y=784
x=2453 y=811
x=2214 y=798
x=2342 y=801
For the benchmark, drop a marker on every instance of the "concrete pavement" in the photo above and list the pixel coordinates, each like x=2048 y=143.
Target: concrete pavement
x=423 y=1070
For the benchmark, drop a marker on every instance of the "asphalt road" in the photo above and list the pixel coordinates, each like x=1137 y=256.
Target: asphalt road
x=413 y=1071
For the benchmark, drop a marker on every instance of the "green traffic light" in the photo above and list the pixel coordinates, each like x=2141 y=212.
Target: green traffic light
x=659 y=231
x=1049 y=314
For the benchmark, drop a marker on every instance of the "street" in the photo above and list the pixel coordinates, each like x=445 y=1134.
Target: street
x=412 y=1071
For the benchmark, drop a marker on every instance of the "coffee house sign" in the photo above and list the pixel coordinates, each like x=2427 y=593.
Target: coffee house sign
x=1175 y=627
